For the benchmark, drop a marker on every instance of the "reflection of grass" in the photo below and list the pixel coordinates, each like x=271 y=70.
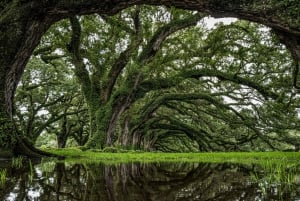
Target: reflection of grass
x=31 y=172
x=17 y=162
x=220 y=157
x=3 y=174
x=278 y=175
x=46 y=166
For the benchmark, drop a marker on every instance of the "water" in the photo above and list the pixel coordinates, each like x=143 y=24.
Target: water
x=59 y=181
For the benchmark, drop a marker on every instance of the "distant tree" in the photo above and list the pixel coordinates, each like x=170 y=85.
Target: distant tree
x=48 y=96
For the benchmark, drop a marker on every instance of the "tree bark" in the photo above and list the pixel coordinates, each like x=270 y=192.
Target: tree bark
x=110 y=134
x=136 y=140
x=124 y=136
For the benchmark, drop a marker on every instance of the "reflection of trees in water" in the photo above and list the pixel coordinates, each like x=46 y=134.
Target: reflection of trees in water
x=189 y=182
x=18 y=184
x=135 y=182
x=65 y=183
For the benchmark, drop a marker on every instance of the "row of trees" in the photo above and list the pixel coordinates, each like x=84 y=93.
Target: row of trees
x=155 y=78
x=23 y=23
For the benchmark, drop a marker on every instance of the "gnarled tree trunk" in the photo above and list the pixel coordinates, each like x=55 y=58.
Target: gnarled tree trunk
x=20 y=33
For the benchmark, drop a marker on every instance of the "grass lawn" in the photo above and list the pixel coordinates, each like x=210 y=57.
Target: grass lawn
x=73 y=154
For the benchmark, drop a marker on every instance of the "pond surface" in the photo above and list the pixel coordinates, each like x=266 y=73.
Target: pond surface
x=61 y=181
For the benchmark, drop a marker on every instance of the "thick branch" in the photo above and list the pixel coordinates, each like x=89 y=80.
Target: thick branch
x=81 y=72
x=162 y=33
x=281 y=15
x=163 y=83
x=233 y=78
x=124 y=57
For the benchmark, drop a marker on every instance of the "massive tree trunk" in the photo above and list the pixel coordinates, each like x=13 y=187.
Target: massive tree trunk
x=124 y=138
x=20 y=33
x=105 y=122
x=110 y=134
x=22 y=23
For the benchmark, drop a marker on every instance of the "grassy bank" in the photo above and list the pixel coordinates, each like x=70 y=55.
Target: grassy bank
x=216 y=157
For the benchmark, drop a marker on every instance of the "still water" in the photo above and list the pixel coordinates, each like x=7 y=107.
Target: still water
x=59 y=181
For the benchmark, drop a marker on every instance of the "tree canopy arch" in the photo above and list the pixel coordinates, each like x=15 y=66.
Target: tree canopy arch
x=23 y=23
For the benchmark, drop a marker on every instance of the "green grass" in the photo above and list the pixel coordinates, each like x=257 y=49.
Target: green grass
x=276 y=174
x=73 y=154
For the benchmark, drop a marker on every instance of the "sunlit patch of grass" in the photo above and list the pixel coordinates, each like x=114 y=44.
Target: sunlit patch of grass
x=3 y=175
x=213 y=157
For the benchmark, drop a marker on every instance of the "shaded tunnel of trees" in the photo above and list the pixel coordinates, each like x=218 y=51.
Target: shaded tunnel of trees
x=102 y=74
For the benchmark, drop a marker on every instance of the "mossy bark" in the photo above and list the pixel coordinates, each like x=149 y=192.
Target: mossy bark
x=100 y=123
x=125 y=139
x=104 y=117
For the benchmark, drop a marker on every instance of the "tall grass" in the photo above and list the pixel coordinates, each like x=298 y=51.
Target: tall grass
x=279 y=175
x=279 y=172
